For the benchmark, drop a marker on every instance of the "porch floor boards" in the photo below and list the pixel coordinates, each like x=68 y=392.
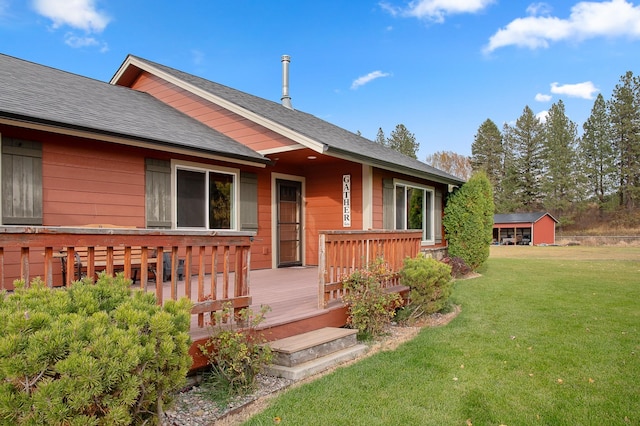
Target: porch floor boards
x=291 y=293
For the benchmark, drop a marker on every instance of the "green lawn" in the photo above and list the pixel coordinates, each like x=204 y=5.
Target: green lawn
x=547 y=336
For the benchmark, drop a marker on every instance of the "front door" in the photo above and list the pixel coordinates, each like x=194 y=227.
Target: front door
x=289 y=222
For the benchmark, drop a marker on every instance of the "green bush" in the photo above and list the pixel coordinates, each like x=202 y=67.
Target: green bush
x=370 y=307
x=430 y=283
x=235 y=351
x=468 y=221
x=91 y=354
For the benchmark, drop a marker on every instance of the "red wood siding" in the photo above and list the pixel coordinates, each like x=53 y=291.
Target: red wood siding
x=244 y=131
x=90 y=182
x=323 y=202
x=544 y=231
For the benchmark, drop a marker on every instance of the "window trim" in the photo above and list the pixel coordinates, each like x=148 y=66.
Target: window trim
x=427 y=219
x=206 y=169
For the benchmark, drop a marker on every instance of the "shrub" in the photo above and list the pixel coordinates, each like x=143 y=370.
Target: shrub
x=370 y=308
x=430 y=283
x=235 y=351
x=468 y=220
x=90 y=354
x=458 y=266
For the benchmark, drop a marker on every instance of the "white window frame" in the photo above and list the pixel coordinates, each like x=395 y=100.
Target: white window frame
x=428 y=219
x=205 y=168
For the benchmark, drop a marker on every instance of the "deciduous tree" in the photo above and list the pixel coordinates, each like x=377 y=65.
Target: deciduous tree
x=453 y=163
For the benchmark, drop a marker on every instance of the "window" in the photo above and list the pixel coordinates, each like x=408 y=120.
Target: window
x=21 y=182
x=205 y=198
x=414 y=209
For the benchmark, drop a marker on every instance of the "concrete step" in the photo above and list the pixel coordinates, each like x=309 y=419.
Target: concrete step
x=295 y=350
x=316 y=365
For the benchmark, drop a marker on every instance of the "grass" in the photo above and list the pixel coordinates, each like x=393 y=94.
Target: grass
x=547 y=336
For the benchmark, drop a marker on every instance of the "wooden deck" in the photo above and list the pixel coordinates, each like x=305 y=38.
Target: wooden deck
x=291 y=293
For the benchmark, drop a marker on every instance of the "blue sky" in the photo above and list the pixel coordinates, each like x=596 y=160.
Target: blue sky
x=440 y=67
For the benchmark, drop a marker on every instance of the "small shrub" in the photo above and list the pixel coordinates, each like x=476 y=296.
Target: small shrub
x=235 y=351
x=430 y=283
x=370 y=308
x=90 y=354
x=459 y=267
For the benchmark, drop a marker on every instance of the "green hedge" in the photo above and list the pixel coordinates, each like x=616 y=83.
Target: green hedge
x=92 y=354
x=468 y=221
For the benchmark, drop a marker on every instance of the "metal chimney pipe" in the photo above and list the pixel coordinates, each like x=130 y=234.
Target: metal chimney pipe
x=286 y=99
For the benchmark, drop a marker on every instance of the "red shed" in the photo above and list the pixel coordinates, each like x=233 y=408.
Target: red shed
x=524 y=228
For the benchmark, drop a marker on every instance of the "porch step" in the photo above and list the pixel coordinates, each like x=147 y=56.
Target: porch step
x=297 y=357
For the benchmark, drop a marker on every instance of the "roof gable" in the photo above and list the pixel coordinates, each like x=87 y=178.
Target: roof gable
x=299 y=126
x=33 y=93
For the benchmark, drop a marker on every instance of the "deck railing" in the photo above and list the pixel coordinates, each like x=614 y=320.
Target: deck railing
x=343 y=252
x=219 y=260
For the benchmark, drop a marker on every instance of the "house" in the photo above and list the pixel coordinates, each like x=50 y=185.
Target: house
x=524 y=228
x=175 y=165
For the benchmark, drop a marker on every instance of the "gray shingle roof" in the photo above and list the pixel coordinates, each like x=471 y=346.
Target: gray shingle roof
x=36 y=93
x=520 y=217
x=336 y=139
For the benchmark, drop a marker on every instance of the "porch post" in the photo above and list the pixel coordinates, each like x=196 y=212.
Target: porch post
x=322 y=265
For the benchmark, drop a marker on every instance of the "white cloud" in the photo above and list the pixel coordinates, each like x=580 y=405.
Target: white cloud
x=584 y=90
x=537 y=9
x=436 y=10
x=361 y=81
x=80 y=14
x=588 y=19
x=197 y=56
x=540 y=97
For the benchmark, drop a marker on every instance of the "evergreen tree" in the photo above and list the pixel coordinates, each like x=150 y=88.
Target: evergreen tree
x=624 y=113
x=526 y=139
x=597 y=153
x=468 y=220
x=560 y=184
x=487 y=152
x=402 y=140
x=506 y=200
x=381 y=138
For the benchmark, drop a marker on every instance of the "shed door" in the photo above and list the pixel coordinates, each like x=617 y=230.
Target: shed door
x=289 y=225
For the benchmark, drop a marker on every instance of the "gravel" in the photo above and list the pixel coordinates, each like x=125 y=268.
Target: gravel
x=193 y=408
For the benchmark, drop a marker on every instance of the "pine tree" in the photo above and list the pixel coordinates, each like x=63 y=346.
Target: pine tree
x=381 y=138
x=560 y=184
x=624 y=113
x=526 y=140
x=402 y=140
x=487 y=152
x=597 y=153
x=506 y=196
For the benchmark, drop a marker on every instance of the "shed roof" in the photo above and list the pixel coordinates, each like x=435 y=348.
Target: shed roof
x=37 y=94
x=302 y=127
x=520 y=217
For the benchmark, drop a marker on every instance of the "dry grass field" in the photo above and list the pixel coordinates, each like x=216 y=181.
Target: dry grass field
x=567 y=252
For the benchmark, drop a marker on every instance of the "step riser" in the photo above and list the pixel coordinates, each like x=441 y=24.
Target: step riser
x=318 y=351
x=317 y=365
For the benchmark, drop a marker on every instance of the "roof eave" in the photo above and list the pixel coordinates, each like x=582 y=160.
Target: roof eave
x=347 y=155
x=113 y=137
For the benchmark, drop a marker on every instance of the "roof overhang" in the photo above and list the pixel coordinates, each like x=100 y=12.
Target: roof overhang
x=381 y=164
x=103 y=136
x=132 y=66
